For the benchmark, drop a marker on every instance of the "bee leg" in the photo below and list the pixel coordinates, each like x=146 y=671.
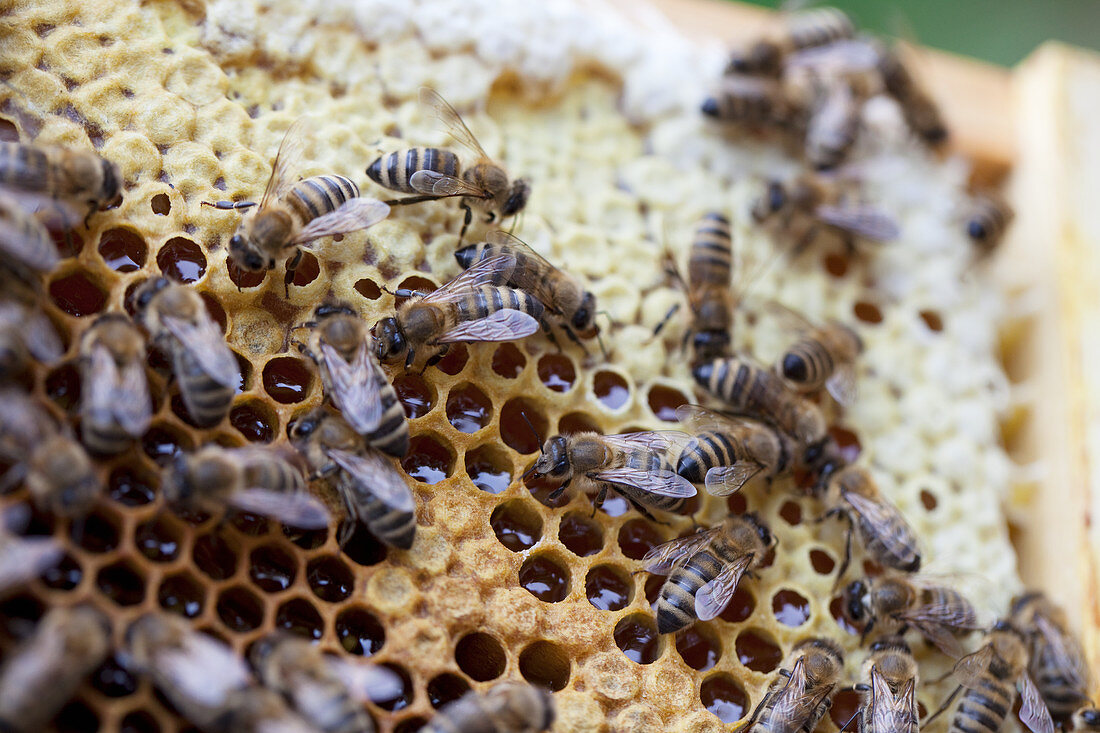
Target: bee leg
x=466 y=221
x=546 y=329
x=847 y=551
x=291 y=267
x=644 y=512
x=664 y=321
x=855 y=715
x=409 y=358
x=553 y=495
x=438 y=357
x=867 y=632
x=228 y=205
x=597 y=502
x=346 y=531
x=574 y=338
x=946 y=704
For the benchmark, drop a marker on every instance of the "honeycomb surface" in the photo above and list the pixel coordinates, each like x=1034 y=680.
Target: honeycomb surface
x=191 y=100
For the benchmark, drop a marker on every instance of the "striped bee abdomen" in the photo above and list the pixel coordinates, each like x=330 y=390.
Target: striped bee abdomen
x=206 y=399
x=676 y=603
x=314 y=197
x=394 y=170
x=820 y=27
x=24 y=167
x=396 y=527
x=808 y=363
x=488 y=299
x=710 y=261
x=649 y=462
x=706 y=451
x=895 y=546
x=392 y=434
x=983 y=710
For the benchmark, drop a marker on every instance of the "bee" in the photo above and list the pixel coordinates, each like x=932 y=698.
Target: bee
x=340 y=343
x=25 y=246
x=1087 y=719
x=1055 y=659
x=807 y=29
x=177 y=321
x=753 y=390
x=833 y=124
x=252 y=479
x=201 y=676
x=853 y=494
x=327 y=691
x=434 y=173
x=562 y=294
x=893 y=603
x=23 y=558
x=797 y=699
x=726 y=453
x=754 y=103
x=467 y=308
x=802 y=209
x=920 y=111
x=116 y=406
x=988 y=218
x=60 y=175
x=704 y=569
x=888 y=690
x=44 y=672
x=638 y=466
x=257 y=709
x=988 y=677
x=26 y=333
x=293 y=213
x=824 y=356
x=373 y=491
x=508 y=707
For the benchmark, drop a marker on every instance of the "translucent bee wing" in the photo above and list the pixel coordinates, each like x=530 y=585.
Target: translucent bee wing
x=794 y=703
x=41 y=337
x=1065 y=653
x=355 y=214
x=366 y=681
x=699 y=419
x=1033 y=710
x=203 y=339
x=442 y=110
x=660 y=482
x=970 y=669
x=485 y=272
x=134 y=411
x=101 y=383
x=293 y=508
x=663 y=558
x=354 y=387
x=889 y=525
x=503 y=325
x=838 y=57
x=377 y=475
x=726 y=480
x=24 y=558
x=788 y=317
x=892 y=712
x=667 y=442
x=438 y=184
x=842 y=385
x=863 y=221
x=24 y=239
x=115 y=396
x=713 y=597
x=203 y=669
x=284 y=168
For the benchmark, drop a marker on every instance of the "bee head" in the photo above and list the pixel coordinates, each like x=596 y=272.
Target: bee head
x=111 y=187
x=554 y=461
x=1087 y=716
x=775 y=198
x=890 y=643
x=143 y=295
x=245 y=256
x=976 y=230
x=306 y=425
x=331 y=309
x=584 y=319
x=794 y=367
x=709 y=107
x=762 y=530
x=390 y=338
x=517 y=197
x=854 y=606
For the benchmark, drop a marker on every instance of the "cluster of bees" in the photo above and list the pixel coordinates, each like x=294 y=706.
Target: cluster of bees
x=767 y=422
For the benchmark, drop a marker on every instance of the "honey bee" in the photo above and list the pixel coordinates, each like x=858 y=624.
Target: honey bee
x=988 y=219
x=326 y=691
x=561 y=293
x=753 y=390
x=23 y=558
x=373 y=490
x=25 y=246
x=294 y=213
x=806 y=29
x=704 y=569
x=63 y=176
x=257 y=709
x=508 y=707
x=26 y=333
x=888 y=690
x=726 y=453
x=1055 y=660
x=988 y=677
x=754 y=103
x=434 y=173
x=201 y=676
x=638 y=466
x=252 y=479
x=833 y=124
x=467 y=308
x=853 y=494
x=340 y=343
x=824 y=356
x=920 y=111
x=797 y=699
x=801 y=210
x=892 y=603
x=42 y=674
x=116 y=406
x=1087 y=719
x=204 y=365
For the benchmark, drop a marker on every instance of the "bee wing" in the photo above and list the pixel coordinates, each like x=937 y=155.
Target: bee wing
x=442 y=185
x=793 y=703
x=882 y=517
x=713 y=597
x=842 y=384
x=203 y=669
x=699 y=419
x=889 y=708
x=118 y=396
x=24 y=239
x=294 y=508
x=355 y=387
x=653 y=441
x=725 y=480
x=203 y=339
x=789 y=317
x=441 y=109
x=41 y=337
x=503 y=325
x=355 y=214
x=663 y=558
x=1065 y=653
x=838 y=57
x=1033 y=710
x=367 y=681
x=660 y=482
x=935 y=621
x=863 y=221
x=378 y=475
x=284 y=169
x=970 y=669
x=22 y=559
x=486 y=272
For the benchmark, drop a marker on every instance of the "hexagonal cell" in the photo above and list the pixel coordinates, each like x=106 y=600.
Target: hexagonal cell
x=404 y=697
x=469 y=409
x=162 y=443
x=790 y=608
x=76 y=717
x=480 y=656
x=307 y=539
x=182 y=594
x=98 y=532
x=736 y=504
x=20 y=614
x=928 y=500
x=130 y=487
x=932 y=319
x=556 y=372
x=489 y=468
x=454 y=361
x=287 y=379
x=123 y=249
x=330 y=579
x=298 y=616
x=822 y=562
x=608 y=588
x=122 y=583
x=255 y=421
x=416 y=395
x=791 y=512
x=445 y=688
x=363 y=548
x=637 y=537
x=77 y=295
x=217 y=314
x=215 y=556
x=836 y=610
x=846 y=703
x=543 y=488
x=867 y=312
x=244 y=278
x=64 y=576
x=161 y=204
x=247 y=523
x=515 y=430
x=240 y=609
x=410 y=725
x=723 y=696
x=159 y=539
x=611 y=389
x=545 y=578
x=577 y=422
x=181 y=260
x=581 y=534
x=63 y=387
x=360 y=632
x=664 y=400
x=545 y=664
x=740 y=606
x=428 y=460
x=508 y=361
x=138 y=721
x=368 y=289
x=636 y=635
x=517 y=525
x=307 y=271
x=272 y=568
x=847 y=441
x=757 y=651
x=113 y=680
x=699 y=647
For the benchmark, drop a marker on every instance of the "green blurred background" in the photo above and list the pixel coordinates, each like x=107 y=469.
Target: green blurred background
x=1001 y=31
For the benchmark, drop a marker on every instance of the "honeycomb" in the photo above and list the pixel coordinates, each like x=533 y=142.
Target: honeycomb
x=191 y=99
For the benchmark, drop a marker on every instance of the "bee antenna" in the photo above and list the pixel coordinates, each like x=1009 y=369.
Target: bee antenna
x=603 y=349
x=533 y=431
